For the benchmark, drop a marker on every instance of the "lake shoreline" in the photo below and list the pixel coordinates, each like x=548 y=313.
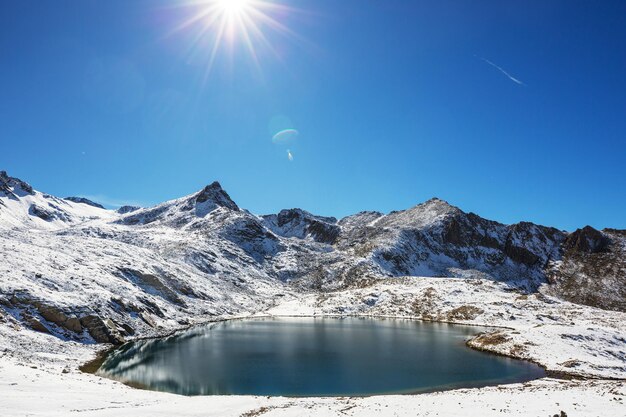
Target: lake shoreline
x=411 y=338
x=57 y=361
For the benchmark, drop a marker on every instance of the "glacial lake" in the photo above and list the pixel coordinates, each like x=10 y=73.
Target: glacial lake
x=313 y=357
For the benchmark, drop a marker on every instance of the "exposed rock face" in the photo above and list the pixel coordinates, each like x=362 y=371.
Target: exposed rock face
x=102 y=331
x=587 y=240
x=437 y=239
x=83 y=200
x=55 y=315
x=164 y=287
x=214 y=194
x=13 y=187
x=35 y=324
x=127 y=209
x=47 y=213
x=32 y=307
x=302 y=224
x=592 y=269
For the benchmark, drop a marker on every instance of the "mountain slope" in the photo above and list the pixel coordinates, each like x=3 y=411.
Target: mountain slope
x=592 y=270
x=437 y=239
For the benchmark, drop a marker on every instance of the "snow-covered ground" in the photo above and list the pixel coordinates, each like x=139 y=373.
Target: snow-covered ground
x=25 y=391
x=40 y=373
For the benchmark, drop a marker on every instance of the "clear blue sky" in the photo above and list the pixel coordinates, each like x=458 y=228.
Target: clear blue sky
x=395 y=102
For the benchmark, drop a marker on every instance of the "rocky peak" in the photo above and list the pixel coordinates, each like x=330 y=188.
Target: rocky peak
x=83 y=200
x=436 y=200
x=435 y=207
x=12 y=186
x=587 y=240
x=432 y=213
x=215 y=194
x=184 y=210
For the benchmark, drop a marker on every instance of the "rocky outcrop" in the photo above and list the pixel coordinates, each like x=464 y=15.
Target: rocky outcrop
x=302 y=224
x=587 y=240
x=127 y=209
x=102 y=330
x=45 y=317
x=592 y=269
x=13 y=187
x=520 y=254
x=35 y=323
x=47 y=213
x=71 y=323
x=55 y=315
x=467 y=312
x=164 y=287
x=248 y=233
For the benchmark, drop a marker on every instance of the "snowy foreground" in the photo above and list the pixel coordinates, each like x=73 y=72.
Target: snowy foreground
x=26 y=391
x=75 y=277
x=40 y=373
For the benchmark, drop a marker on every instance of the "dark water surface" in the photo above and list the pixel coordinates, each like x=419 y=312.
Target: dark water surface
x=313 y=357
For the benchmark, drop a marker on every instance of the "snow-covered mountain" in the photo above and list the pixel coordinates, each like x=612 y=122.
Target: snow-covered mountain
x=77 y=270
x=23 y=207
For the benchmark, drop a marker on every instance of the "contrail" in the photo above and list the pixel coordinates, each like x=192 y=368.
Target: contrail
x=289 y=155
x=512 y=78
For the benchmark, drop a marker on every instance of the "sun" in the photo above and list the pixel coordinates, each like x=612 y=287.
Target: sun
x=216 y=26
x=234 y=8
x=235 y=18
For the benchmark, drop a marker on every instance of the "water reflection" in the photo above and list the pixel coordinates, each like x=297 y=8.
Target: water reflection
x=316 y=357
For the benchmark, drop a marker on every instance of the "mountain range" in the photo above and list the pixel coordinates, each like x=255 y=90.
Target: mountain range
x=72 y=268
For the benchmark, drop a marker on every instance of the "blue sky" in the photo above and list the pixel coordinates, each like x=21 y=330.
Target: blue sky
x=513 y=110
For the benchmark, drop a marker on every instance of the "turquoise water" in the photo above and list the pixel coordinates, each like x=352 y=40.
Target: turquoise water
x=313 y=357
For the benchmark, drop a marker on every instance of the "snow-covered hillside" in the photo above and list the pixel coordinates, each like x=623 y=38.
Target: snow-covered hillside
x=22 y=207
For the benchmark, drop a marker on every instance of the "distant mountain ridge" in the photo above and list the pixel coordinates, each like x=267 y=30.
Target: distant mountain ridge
x=85 y=262
x=84 y=201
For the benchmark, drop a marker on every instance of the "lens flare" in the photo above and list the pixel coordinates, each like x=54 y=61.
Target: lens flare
x=285 y=136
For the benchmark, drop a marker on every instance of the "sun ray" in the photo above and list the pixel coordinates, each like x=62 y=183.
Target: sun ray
x=248 y=41
x=216 y=45
x=260 y=37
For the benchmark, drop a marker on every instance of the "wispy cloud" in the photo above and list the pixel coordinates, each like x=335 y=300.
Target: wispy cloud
x=509 y=76
x=289 y=155
x=112 y=202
